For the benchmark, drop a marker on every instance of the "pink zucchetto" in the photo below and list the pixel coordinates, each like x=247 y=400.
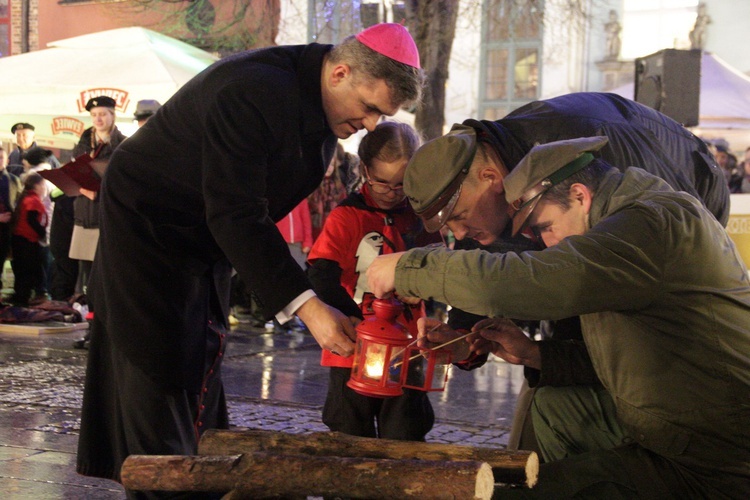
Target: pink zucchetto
x=392 y=40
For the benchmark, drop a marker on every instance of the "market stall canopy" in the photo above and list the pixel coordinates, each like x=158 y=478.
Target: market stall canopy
x=49 y=88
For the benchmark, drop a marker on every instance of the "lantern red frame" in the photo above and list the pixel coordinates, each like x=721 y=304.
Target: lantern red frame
x=378 y=355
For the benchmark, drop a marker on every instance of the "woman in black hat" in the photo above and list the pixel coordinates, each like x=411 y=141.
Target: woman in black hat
x=99 y=140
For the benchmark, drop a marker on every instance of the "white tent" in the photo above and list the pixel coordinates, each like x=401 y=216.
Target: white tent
x=724 y=102
x=49 y=88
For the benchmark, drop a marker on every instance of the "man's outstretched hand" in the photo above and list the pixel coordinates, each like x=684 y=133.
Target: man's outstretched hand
x=433 y=333
x=509 y=342
x=329 y=326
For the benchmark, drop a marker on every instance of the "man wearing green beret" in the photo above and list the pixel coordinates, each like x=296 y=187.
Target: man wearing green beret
x=668 y=335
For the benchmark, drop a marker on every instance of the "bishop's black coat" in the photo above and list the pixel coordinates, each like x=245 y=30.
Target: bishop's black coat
x=193 y=193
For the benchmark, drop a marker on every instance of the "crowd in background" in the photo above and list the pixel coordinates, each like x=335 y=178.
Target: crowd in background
x=736 y=170
x=49 y=237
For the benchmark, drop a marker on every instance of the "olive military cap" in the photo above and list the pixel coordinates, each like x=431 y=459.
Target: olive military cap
x=546 y=165
x=434 y=175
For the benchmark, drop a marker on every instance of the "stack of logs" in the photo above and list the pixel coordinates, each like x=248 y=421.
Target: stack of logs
x=266 y=464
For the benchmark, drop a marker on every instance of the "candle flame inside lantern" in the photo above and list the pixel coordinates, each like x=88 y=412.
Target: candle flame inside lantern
x=374 y=361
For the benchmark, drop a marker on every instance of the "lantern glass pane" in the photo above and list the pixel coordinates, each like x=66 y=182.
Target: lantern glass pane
x=427 y=369
x=395 y=365
x=355 y=362
x=440 y=371
x=415 y=373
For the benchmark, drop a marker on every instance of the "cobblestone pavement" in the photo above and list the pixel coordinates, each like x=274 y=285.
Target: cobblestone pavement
x=273 y=382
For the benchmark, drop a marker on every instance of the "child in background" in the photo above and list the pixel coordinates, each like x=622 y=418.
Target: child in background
x=296 y=229
x=376 y=220
x=36 y=159
x=29 y=232
x=329 y=194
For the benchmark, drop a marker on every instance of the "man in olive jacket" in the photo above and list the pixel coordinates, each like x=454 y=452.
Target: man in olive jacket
x=196 y=192
x=664 y=300
x=638 y=136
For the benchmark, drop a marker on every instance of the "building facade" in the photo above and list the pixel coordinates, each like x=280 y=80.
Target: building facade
x=505 y=53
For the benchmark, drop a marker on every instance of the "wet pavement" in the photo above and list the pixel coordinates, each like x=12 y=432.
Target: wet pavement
x=273 y=381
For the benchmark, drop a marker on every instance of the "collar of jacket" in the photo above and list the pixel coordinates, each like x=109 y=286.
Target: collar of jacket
x=619 y=190
x=309 y=74
x=19 y=148
x=510 y=149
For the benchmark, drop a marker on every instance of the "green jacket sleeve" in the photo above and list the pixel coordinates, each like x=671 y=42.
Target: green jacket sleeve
x=613 y=265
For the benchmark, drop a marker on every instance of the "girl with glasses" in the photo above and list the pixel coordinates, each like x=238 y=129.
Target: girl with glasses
x=375 y=220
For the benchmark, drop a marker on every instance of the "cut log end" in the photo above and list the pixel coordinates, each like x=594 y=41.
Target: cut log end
x=532 y=470
x=485 y=482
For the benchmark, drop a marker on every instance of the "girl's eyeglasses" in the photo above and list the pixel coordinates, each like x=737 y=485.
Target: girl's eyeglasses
x=382 y=187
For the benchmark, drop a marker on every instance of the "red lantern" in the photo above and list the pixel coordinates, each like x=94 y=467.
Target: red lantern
x=378 y=355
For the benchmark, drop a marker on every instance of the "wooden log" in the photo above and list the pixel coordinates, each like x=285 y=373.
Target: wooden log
x=268 y=475
x=513 y=467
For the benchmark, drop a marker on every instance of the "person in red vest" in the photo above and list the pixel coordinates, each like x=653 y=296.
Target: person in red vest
x=29 y=232
x=376 y=220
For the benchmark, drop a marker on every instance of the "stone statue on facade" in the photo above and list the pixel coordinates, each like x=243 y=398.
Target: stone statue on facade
x=698 y=34
x=612 y=30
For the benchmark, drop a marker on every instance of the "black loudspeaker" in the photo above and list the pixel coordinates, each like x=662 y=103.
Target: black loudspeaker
x=670 y=81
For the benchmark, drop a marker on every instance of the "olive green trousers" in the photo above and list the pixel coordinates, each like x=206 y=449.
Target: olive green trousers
x=587 y=455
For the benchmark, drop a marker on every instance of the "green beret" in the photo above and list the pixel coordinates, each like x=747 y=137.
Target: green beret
x=434 y=175
x=546 y=165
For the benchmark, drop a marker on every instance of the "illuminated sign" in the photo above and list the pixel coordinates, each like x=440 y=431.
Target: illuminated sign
x=67 y=124
x=121 y=97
